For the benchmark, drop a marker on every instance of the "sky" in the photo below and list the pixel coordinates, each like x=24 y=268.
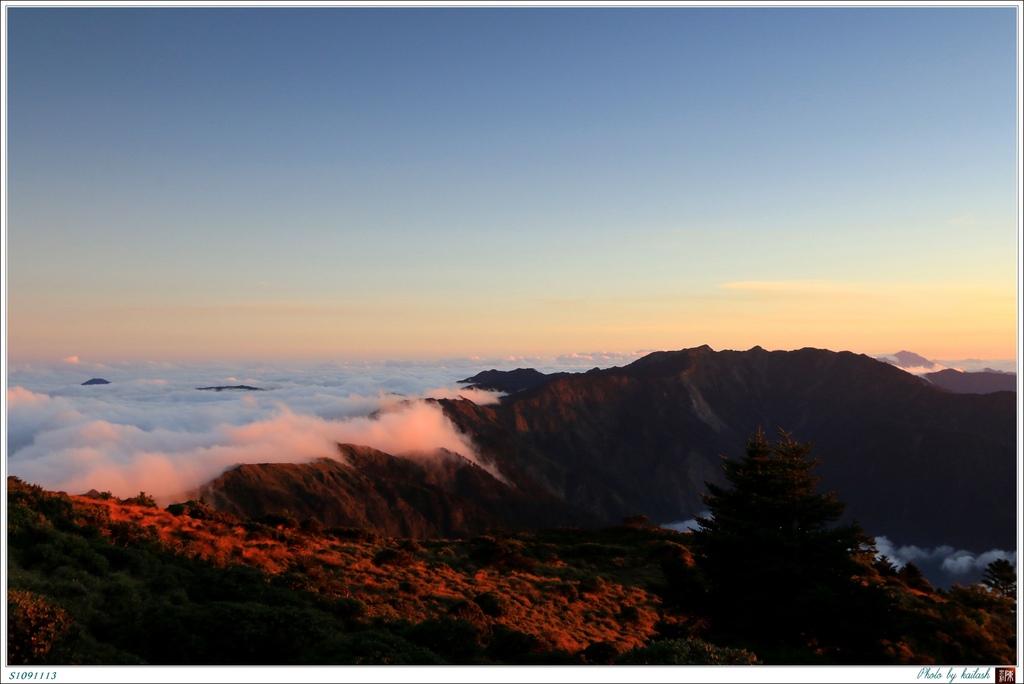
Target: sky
x=352 y=207
x=342 y=183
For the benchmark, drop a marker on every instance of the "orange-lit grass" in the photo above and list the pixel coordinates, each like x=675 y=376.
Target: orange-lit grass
x=426 y=587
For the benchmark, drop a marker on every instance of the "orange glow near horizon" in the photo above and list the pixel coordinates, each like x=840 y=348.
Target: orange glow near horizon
x=941 y=322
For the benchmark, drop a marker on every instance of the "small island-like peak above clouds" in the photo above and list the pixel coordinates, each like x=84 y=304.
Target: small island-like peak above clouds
x=966 y=376
x=907 y=360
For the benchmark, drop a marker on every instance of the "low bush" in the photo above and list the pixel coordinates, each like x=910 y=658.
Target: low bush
x=394 y=557
x=142 y=499
x=686 y=652
x=492 y=604
x=33 y=625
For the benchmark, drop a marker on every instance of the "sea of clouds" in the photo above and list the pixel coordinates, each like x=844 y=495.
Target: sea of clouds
x=152 y=430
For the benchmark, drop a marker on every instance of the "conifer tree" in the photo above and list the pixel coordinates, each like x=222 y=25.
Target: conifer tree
x=780 y=577
x=1001 y=577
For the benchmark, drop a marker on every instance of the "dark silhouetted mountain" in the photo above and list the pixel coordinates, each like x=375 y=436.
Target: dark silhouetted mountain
x=96 y=381
x=429 y=495
x=509 y=381
x=915 y=463
x=982 y=382
x=244 y=388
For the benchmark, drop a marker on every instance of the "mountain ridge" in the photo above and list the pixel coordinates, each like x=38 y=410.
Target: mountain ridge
x=669 y=416
x=977 y=382
x=915 y=463
x=441 y=494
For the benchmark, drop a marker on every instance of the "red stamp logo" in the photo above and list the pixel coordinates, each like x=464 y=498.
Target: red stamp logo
x=1006 y=675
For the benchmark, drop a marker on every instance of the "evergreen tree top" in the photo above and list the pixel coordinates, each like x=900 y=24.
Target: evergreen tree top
x=773 y=496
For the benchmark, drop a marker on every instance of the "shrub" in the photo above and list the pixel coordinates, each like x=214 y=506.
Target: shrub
x=410 y=545
x=567 y=590
x=517 y=561
x=453 y=639
x=355 y=534
x=469 y=611
x=630 y=615
x=637 y=521
x=312 y=526
x=282 y=520
x=511 y=645
x=491 y=603
x=600 y=652
x=502 y=553
x=686 y=652
x=191 y=508
x=124 y=533
x=911 y=575
x=485 y=550
x=33 y=625
x=370 y=647
x=142 y=499
x=348 y=608
x=393 y=557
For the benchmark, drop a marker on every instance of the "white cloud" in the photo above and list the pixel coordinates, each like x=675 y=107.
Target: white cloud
x=686 y=525
x=19 y=396
x=160 y=435
x=31 y=413
x=964 y=219
x=604 y=359
x=975 y=365
x=786 y=286
x=955 y=563
x=921 y=370
x=477 y=396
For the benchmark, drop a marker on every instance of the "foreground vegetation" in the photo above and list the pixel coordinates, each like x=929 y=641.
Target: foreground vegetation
x=98 y=580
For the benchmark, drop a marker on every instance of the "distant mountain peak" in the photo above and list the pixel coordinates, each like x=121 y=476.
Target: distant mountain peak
x=508 y=381
x=647 y=436
x=96 y=381
x=907 y=359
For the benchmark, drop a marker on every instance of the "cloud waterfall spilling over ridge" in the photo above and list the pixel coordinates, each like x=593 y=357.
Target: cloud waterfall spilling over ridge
x=162 y=436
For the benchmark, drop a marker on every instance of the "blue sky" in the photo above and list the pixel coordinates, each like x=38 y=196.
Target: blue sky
x=381 y=183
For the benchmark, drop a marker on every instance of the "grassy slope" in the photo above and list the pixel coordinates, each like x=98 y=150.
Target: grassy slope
x=108 y=582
